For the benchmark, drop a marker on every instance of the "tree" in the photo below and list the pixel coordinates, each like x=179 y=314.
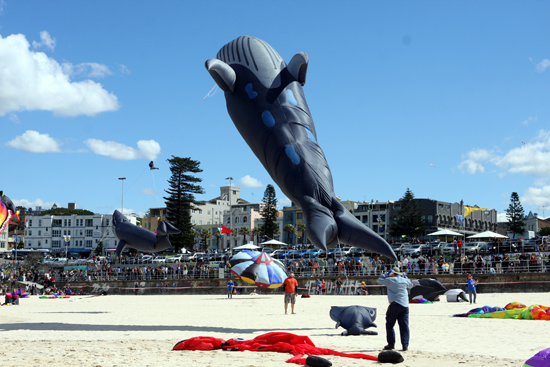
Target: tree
x=545 y=231
x=181 y=199
x=33 y=261
x=205 y=235
x=269 y=211
x=218 y=235
x=302 y=229
x=99 y=249
x=410 y=221
x=515 y=215
x=289 y=229
x=245 y=232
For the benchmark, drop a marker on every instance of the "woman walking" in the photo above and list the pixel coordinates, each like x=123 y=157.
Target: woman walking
x=472 y=284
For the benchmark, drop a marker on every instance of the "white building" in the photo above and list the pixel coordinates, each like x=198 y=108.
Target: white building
x=71 y=233
x=4 y=240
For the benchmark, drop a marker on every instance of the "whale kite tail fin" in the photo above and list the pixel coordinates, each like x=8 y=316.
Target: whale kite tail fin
x=165 y=228
x=321 y=228
x=120 y=247
x=354 y=233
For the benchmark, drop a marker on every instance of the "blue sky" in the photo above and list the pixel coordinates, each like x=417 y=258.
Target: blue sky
x=447 y=98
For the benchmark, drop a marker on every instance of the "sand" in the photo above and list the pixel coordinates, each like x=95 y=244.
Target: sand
x=118 y=330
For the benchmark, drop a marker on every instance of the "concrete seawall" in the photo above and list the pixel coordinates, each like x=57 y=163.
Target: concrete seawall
x=488 y=283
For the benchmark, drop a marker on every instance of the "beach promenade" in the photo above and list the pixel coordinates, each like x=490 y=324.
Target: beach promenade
x=128 y=330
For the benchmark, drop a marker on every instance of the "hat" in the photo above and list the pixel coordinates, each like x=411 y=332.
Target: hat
x=363 y=283
x=396 y=270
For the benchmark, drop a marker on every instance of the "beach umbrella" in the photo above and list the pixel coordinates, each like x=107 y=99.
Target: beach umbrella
x=258 y=268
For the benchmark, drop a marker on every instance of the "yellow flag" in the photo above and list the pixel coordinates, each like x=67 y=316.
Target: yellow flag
x=468 y=210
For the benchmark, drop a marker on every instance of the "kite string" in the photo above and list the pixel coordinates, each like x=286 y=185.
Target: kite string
x=155 y=185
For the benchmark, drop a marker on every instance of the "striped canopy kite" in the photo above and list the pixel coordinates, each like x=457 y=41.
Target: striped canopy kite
x=258 y=268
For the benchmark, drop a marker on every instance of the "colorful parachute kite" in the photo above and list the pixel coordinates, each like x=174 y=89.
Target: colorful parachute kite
x=7 y=211
x=279 y=342
x=541 y=359
x=258 y=268
x=266 y=102
x=514 y=310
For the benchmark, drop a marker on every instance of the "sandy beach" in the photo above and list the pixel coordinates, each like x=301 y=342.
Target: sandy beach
x=117 y=330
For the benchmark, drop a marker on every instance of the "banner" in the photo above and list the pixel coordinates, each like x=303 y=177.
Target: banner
x=468 y=210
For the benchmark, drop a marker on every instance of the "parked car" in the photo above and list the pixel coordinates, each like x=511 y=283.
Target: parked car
x=312 y=253
x=278 y=254
x=486 y=248
x=507 y=246
x=174 y=259
x=159 y=260
x=293 y=254
x=396 y=247
x=472 y=247
x=411 y=250
x=531 y=246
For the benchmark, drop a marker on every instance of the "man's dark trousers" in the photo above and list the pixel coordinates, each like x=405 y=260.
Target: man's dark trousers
x=398 y=313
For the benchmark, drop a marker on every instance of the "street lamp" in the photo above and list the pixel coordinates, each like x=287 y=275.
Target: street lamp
x=122 y=179
x=67 y=240
x=230 y=213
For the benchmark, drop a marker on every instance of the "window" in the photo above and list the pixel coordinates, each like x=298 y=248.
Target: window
x=237 y=220
x=69 y=222
x=299 y=215
x=245 y=219
x=30 y=222
x=46 y=242
x=89 y=222
x=193 y=221
x=89 y=232
x=30 y=233
x=200 y=222
x=81 y=232
x=64 y=222
x=209 y=212
x=365 y=219
x=107 y=222
x=228 y=220
x=39 y=244
x=430 y=219
x=40 y=222
x=47 y=229
x=107 y=231
x=39 y=232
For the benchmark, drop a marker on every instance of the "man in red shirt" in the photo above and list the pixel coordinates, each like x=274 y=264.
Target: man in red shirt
x=290 y=287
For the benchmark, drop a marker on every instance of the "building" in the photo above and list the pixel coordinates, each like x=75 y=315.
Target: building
x=534 y=223
x=75 y=235
x=374 y=215
x=4 y=243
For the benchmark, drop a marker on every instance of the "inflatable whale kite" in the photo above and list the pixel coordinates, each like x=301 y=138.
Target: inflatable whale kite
x=141 y=239
x=266 y=102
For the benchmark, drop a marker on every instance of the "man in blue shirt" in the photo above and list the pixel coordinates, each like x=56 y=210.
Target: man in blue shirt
x=398 y=310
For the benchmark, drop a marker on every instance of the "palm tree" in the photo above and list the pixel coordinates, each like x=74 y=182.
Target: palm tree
x=195 y=235
x=302 y=228
x=205 y=235
x=245 y=232
x=218 y=235
x=289 y=228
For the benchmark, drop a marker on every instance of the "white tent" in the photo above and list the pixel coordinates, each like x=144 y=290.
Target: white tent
x=248 y=246
x=487 y=234
x=273 y=243
x=445 y=232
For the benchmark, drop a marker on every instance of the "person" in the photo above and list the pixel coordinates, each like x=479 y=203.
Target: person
x=338 y=286
x=230 y=286
x=362 y=290
x=290 y=288
x=397 y=284
x=318 y=286
x=472 y=283
x=323 y=287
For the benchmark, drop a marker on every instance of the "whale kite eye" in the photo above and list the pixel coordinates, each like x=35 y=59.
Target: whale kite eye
x=250 y=90
x=268 y=119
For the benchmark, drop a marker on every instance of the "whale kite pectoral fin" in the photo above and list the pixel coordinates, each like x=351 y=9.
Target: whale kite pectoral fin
x=354 y=233
x=321 y=227
x=223 y=74
x=297 y=67
x=337 y=325
x=170 y=229
x=120 y=247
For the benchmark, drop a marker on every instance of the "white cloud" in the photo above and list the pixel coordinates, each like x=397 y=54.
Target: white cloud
x=13 y=117
x=248 y=181
x=532 y=159
x=470 y=166
x=88 y=69
x=283 y=202
x=149 y=149
x=31 y=80
x=33 y=204
x=543 y=65
x=537 y=196
x=47 y=41
x=531 y=118
x=149 y=191
x=34 y=142
x=124 y=69
x=501 y=217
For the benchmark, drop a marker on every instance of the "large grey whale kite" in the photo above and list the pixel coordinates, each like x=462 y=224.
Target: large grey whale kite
x=266 y=102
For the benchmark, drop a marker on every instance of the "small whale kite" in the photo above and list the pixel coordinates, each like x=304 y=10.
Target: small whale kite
x=266 y=102
x=355 y=319
x=152 y=166
x=139 y=238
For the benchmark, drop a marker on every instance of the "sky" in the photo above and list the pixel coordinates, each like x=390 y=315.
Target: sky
x=450 y=99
